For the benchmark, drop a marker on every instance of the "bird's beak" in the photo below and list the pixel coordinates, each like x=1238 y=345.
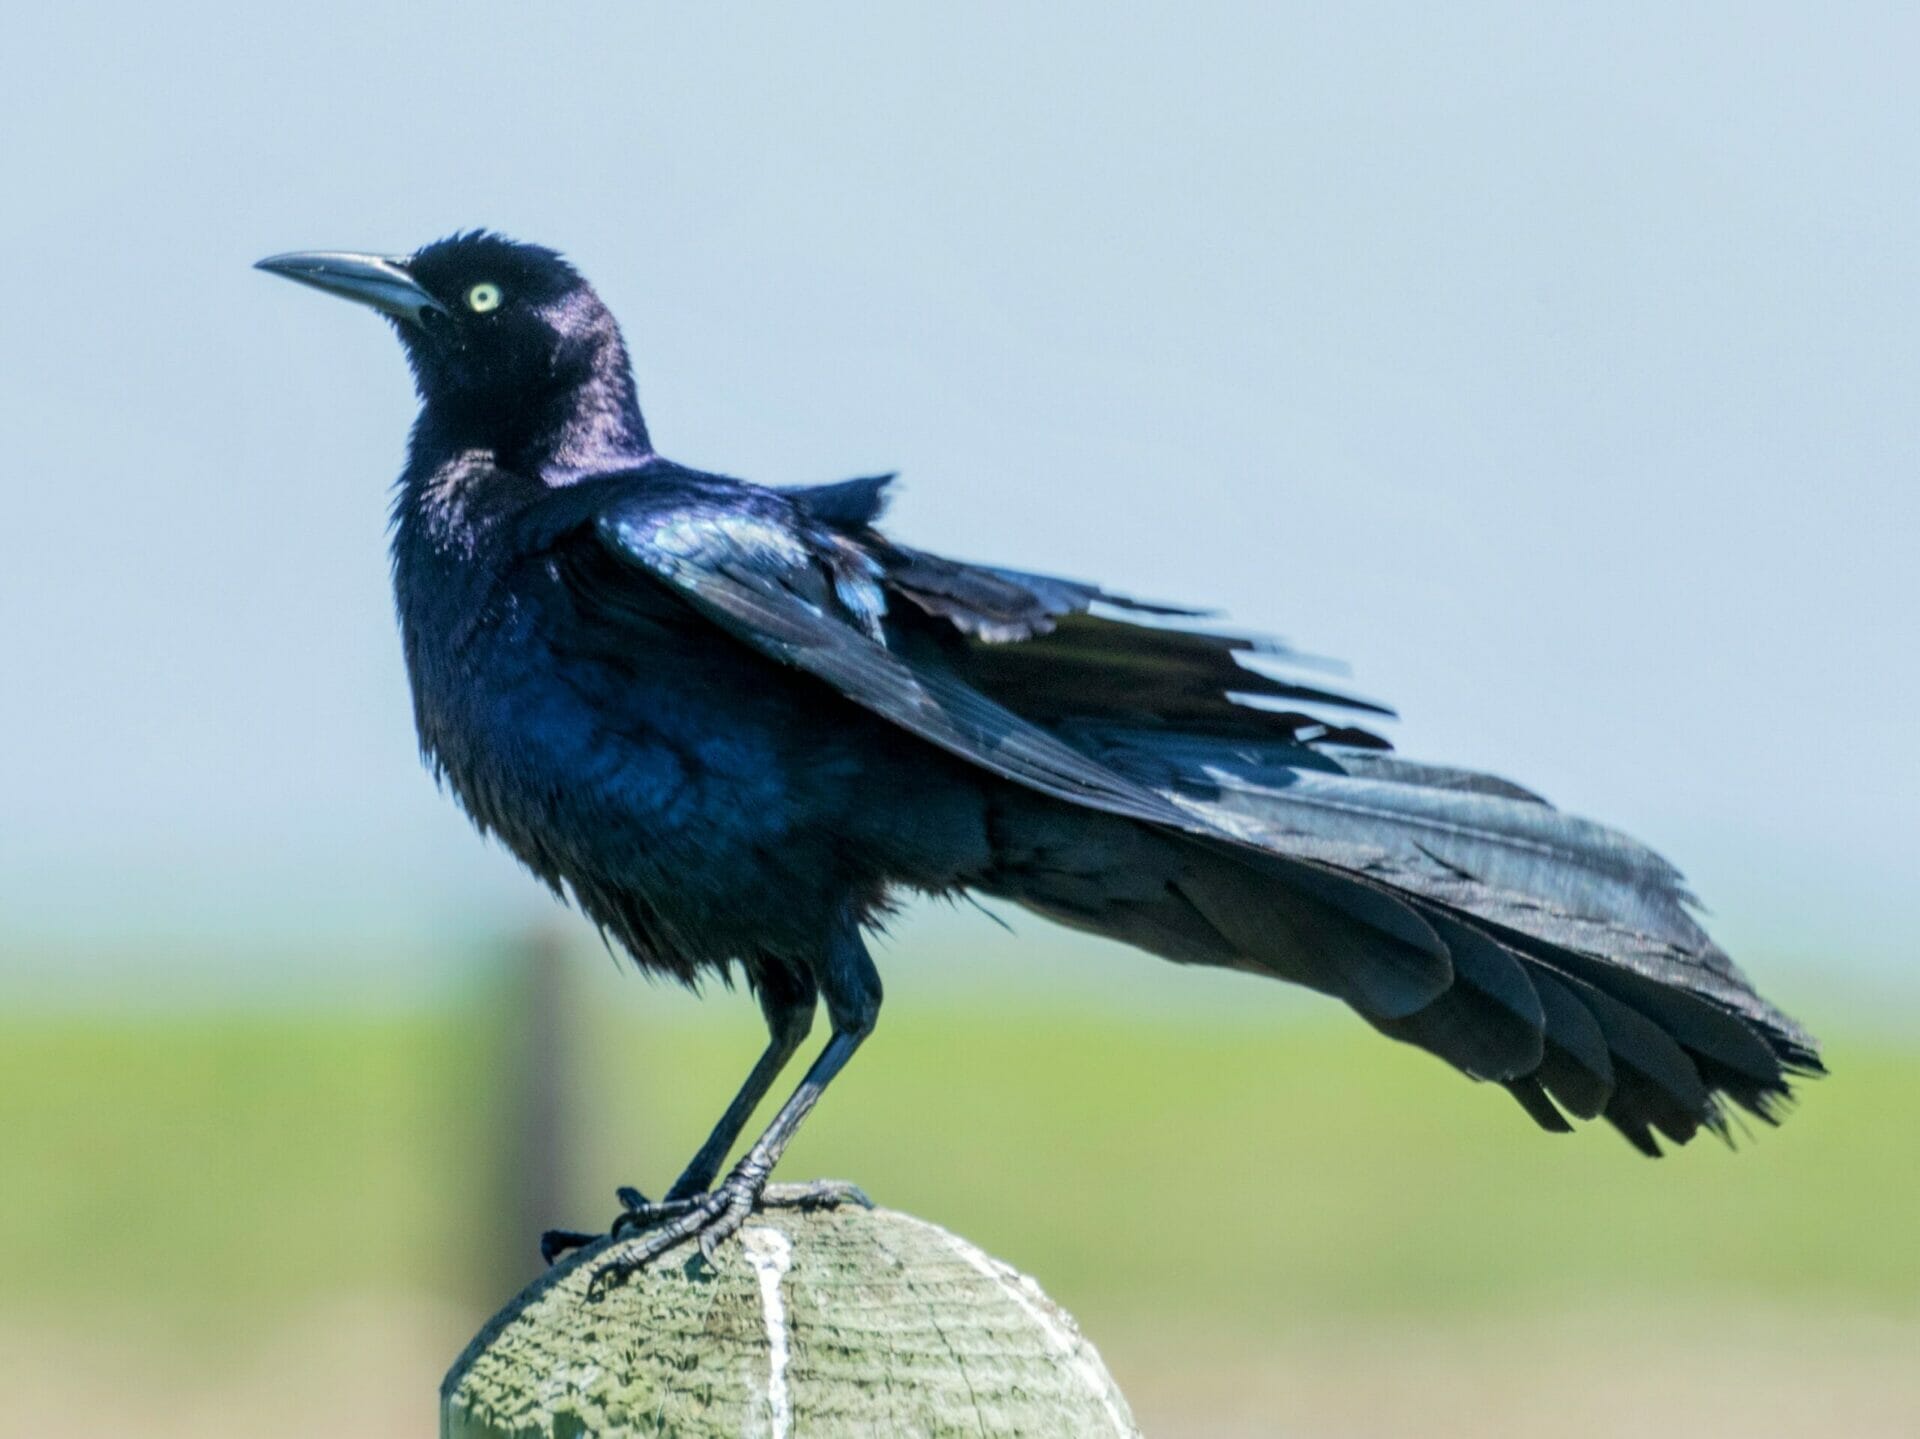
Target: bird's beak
x=371 y=280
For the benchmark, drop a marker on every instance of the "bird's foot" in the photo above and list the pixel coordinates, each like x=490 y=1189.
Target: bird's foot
x=814 y=1194
x=637 y=1213
x=708 y=1219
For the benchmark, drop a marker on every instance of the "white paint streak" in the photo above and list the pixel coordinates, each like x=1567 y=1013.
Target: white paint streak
x=771 y=1254
x=1037 y=1307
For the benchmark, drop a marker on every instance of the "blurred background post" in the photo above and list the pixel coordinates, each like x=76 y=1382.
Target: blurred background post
x=539 y=1098
x=1555 y=366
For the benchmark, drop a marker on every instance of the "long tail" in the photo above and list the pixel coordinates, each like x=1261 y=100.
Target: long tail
x=1454 y=911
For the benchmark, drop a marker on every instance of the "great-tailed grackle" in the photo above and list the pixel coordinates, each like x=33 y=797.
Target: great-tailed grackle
x=734 y=722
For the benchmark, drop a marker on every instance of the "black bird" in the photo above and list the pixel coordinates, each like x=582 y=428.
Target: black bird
x=734 y=723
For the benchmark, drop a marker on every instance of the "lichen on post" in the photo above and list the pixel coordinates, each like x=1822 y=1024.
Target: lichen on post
x=827 y=1322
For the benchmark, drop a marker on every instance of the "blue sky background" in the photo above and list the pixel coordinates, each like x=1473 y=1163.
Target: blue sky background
x=1555 y=366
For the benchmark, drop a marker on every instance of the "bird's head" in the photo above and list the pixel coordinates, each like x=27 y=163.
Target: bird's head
x=510 y=347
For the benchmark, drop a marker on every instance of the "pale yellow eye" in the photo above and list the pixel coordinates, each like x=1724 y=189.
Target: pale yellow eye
x=482 y=298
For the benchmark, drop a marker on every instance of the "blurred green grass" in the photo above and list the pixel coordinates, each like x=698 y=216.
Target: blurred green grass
x=234 y=1164
x=1201 y=1170
x=1260 y=1175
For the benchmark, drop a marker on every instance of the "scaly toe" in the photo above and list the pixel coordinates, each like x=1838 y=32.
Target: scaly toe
x=642 y=1217
x=814 y=1194
x=701 y=1215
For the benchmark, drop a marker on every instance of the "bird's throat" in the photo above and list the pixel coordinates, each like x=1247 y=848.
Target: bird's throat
x=587 y=425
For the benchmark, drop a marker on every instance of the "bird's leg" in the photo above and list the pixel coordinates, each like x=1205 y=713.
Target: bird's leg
x=789 y=1010
x=717 y=1215
x=851 y=988
x=787 y=999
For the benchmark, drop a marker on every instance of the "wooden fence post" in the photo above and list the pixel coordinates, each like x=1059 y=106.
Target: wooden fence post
x=817 y=1324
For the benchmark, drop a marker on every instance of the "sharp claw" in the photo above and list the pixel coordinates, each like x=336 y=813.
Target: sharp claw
x=816 y=1194
x=636 y=1219
x=604 y=1279
x=630 y=1198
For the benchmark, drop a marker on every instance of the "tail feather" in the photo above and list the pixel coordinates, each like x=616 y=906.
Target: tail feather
x=1196 y=900
x=1696 y=1022
x=1654 y=1079
x=1577 y=1068
x=1338 y=935
x=1462 y=914
x=1448 y=840
x=1490 y=1024
x=1533 y=1096
x=1765 y=1102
